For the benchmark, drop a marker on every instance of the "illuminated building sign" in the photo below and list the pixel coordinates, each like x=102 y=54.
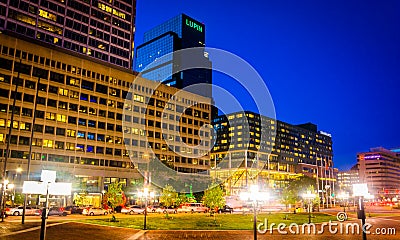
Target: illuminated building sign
x=111 y=10
x=325 y=133
x=372 y=157
x=194 y=25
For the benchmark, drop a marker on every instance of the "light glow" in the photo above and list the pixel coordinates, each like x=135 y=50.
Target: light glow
x=360 y=190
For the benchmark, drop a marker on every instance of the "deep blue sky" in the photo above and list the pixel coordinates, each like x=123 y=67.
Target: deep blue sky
x=333 y=63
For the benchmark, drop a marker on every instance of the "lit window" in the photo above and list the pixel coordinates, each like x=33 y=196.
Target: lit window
x=71 y=133
x=61 y=118
x=47 y=15
x=63 y=92
x=47 y=143
x=50 y=116
x=138 y=98
x=81 y=134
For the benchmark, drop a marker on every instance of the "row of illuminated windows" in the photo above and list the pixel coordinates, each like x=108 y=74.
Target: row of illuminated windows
x=70 y=119
x=93 y=136
x=68 y=159
x=64 y=132
x=92 y=123
x=50 y=143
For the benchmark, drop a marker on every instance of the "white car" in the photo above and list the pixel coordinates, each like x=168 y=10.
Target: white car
x=94 y=211
x=132 y=210
x=165 y=210
x=18 y=211
x=192 y=208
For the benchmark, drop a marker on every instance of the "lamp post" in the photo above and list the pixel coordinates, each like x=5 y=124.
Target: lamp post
x=254 y=195
x=344 y=196
x=145 y=194
x=47 y=177
x=309 y=196
x=361 y=190
x=6 y=185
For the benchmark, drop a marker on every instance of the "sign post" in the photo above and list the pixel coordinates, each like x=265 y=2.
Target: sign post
x=361 y=191
x=46 y=186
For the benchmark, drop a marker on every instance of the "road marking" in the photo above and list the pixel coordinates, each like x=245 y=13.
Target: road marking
x=99 y=225
x=137 y=235
x=31 y=229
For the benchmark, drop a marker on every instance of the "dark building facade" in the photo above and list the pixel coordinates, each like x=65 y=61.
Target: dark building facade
x=270 y=152
x=97 y=28
x=180 y=32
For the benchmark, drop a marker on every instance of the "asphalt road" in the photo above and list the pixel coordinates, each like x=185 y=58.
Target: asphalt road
x=75 y=231
x=57 y=230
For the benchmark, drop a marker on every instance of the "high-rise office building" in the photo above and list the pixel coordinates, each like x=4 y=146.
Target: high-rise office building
x=380 y=169
x=346 y=179
x=180 y=32
x=100 y=29
x=92 y=121
x=259 y=149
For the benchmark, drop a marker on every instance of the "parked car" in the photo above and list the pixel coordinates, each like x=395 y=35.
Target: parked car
x=192 y=207
x=73 y=210
x=17 y=211
x=165 y=210
x=132 y=209
x=56 y=211
x=91 y=211
x=225 y=209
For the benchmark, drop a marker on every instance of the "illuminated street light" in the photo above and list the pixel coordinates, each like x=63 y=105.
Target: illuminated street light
x=46 y=186
x=145 y=194
x=361 y=191
x=309 y=196
x=254 y=195
x=6 y=185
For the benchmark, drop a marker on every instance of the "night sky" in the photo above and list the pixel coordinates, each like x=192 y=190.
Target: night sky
x=333 y=63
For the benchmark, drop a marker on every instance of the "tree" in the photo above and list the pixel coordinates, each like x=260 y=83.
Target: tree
x=18 y=199
x=214 y=198
x=168 y=197
x=114 y=195
x=182 y=198
x=293 y=192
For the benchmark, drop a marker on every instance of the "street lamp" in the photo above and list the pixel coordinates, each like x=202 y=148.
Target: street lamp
x=309 y=196
x=46 y=186
x=361 y=190
x=344 y=196
x=145 y=194
x=254 y=195
x=6 y=185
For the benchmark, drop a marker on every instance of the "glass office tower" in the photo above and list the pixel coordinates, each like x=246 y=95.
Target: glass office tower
x=180 y=32
x=102 y=29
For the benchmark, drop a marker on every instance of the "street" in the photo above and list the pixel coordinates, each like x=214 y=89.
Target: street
x=68 y=228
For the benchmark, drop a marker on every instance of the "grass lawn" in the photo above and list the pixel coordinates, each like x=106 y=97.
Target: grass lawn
x=201 y=221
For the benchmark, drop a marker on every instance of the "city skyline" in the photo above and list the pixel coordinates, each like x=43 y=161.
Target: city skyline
x=333 y=64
